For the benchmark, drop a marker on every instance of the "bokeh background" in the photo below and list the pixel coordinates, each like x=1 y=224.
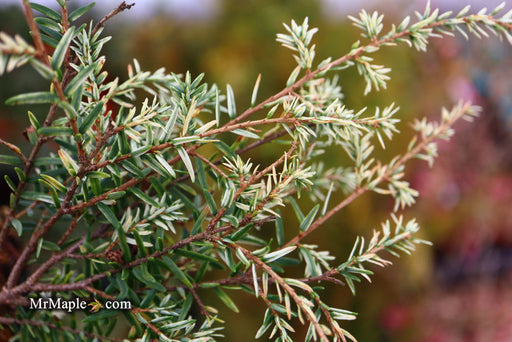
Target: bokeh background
x=457 y=290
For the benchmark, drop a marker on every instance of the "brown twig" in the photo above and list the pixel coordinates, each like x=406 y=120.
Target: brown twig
x=36 y=235
x=334 y=326
x=70 y=229
x=99 y=293
x=55 y=258
x=24 y=287
x=36 y=36
x=199 y=303
x=122 y=7
x=209 y=163
x=279 y=280
x=263 y=141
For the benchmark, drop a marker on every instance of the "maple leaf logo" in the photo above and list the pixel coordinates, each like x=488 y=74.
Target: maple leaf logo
x=95 y=306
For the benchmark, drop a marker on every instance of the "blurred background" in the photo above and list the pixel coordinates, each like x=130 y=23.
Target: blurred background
x=457 y=290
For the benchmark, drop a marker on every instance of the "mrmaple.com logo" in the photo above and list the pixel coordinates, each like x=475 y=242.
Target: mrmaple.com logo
x=77 y=304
